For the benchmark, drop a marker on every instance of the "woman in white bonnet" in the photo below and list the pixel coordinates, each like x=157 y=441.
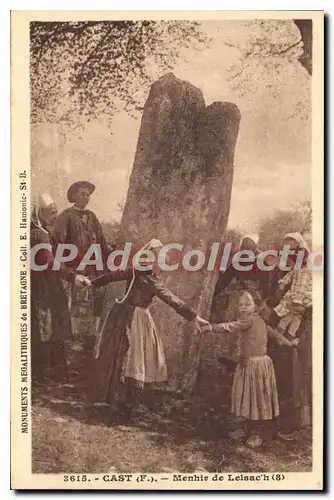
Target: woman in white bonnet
x=130 y=354
x=293 y=368
x=50 y=316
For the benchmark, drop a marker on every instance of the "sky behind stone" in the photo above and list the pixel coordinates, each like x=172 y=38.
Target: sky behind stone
x=273 y=151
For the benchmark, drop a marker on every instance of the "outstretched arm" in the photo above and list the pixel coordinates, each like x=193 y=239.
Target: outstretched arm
x=170 y=298
x=44 y=256
x=119 y=275
x=232 y=326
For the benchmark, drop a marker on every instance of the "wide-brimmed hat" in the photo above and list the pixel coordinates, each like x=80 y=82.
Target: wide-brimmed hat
x=74 y=188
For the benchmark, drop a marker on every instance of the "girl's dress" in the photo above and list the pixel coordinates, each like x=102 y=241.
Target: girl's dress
x=254 y=392
x=230 y=286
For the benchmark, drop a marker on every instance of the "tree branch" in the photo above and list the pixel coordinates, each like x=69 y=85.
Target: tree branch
x=279 y=52
x=306 y=30
x=92 y=53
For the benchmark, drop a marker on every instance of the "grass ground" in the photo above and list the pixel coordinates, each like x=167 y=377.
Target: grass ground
x=185 y=434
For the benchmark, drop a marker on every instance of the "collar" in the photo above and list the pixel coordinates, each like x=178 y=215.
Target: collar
x=80 y=209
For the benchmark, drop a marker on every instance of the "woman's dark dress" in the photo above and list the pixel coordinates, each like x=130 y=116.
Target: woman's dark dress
x=293 y=369
x=107 y=370
x=48 y=305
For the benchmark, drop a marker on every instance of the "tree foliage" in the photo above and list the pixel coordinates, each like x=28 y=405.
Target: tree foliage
x=86 y=69
x=273 y=228
x=111 y=231
x=233 y=235
x=265 y=53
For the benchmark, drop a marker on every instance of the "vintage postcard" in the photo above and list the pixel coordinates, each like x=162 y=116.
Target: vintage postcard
x=167 y=250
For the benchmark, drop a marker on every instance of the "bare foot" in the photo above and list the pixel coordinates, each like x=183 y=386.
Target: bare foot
x=254 y=441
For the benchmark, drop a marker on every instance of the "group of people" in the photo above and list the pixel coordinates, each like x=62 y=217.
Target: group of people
x=129 y=351
x=270 y=315
x=271 y=378
x=52 y=292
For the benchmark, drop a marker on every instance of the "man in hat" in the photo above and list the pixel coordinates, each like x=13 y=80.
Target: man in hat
x=79 y=226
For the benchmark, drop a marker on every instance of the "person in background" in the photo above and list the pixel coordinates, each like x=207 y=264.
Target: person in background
x=130 y=360
x=80 y=226
x=50 y=316
x=254 y=393
x=291 y=293
x=237 y=281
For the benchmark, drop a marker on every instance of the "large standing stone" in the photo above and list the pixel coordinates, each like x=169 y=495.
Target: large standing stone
x=179 y=192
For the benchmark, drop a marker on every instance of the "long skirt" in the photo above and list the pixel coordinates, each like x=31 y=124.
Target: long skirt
x=287 y=384
x=293 y=369
x=254 y=393
x=145 y=360
x=49 y=329
x=129 y=349
x=303 y=363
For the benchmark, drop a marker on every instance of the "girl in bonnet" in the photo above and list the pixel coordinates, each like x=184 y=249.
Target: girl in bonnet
x=130 y=354
x=50 y=316
x=296 y=288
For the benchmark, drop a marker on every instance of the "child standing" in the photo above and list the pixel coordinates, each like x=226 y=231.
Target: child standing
x=254 y=393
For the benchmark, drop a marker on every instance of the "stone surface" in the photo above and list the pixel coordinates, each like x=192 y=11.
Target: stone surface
x=179 y=192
